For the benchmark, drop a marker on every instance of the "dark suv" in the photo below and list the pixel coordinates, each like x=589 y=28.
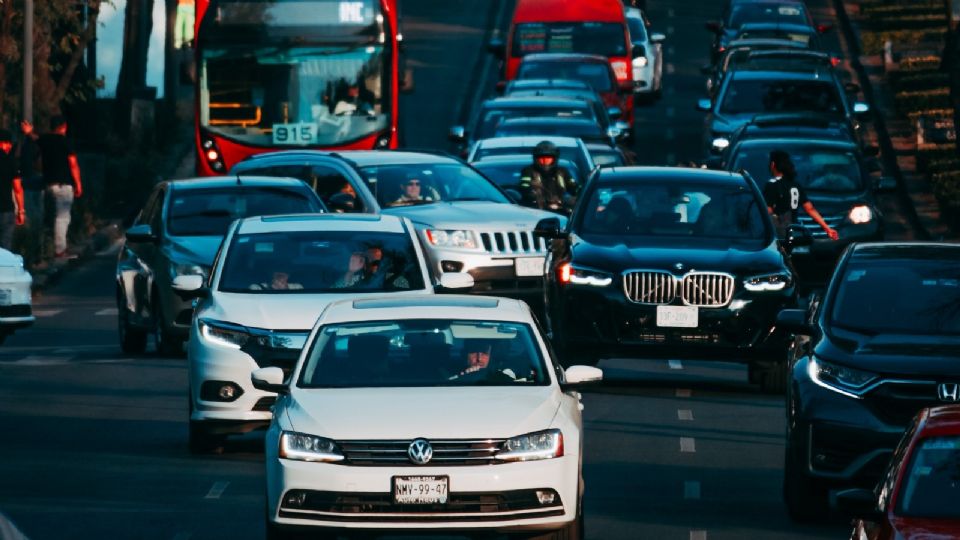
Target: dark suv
x=882 y=345
x=669 y=262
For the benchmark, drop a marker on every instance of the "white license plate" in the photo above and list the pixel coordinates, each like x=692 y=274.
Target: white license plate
x=420 y=489
x=529 y=266
x=300 y=133
x=5 y=297
x=677 y=316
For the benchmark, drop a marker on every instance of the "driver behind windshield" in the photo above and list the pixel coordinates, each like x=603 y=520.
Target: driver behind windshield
x=411 y=191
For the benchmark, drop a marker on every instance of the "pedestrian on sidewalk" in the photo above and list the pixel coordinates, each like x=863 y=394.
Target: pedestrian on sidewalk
x=11 y=191
x=28 y=155
x=61 y=174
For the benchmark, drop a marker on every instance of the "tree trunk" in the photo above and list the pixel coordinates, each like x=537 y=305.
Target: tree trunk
x=86 y=35
x=137 y=25
x=171 y=57
x=6 y=37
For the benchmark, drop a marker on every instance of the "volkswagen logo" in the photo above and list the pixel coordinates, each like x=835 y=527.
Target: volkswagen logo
x=420 y=451
x=949 y=391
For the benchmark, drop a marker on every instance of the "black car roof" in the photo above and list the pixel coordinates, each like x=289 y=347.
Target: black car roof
x=667 y=174
x=927 y=251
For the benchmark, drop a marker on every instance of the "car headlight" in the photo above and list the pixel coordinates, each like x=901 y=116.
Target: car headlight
x=547 y=444
x=719 y=144
x=640 y=61
x=187 y=269
x=303 y=447
x=224 y=334
x=452 y=239
x=768 y=282
x=568 y=273
x=843 y=380
x=860 y=214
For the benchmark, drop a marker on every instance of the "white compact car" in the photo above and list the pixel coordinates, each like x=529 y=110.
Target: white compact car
x=442 y=412
x=269 y=282
x=16 y=309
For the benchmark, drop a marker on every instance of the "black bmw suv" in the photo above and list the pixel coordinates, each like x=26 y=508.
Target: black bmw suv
x=883 y=344
x=669 y=262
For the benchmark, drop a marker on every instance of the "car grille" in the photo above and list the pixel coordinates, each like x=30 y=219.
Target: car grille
x=815 y=230
x=445 y=452
x=897 y=402
x=512 y=242
x=703 y=289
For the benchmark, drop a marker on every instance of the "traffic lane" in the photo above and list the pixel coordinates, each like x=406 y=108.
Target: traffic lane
x=678 y=449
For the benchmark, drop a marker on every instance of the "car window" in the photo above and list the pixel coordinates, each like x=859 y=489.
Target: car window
x=604 y=39
x=748 y=12
x=151 y=208
x=759 y=96
x=325 y=180
x=675 y=209
x=595 y=74
x=490 y=118
x=426 y=183
x=931 y=486
x=209 y=211
x=424 y=353
x=321 y=262
x=818 y=168
x=588 y=131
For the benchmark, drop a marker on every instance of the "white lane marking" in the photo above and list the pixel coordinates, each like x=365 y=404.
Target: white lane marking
x=670 y=68
x=669 y=134
x=691 y=490
x=675 y=364
x=688 y=445
x=670 y=112
x=47 y=312
x=684 y=392
x=669 y=30
x=671 y=158
x=685 y=414
x=217 y=490
x=698 y=535
x=108 y=311
x=34 y=360
x=671 y=13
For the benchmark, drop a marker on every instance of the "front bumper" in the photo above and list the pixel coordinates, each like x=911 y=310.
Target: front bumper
x=16 y=309
x=493 y=274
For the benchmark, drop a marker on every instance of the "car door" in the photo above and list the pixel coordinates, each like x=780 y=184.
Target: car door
x=153 y=255
x=137 y=261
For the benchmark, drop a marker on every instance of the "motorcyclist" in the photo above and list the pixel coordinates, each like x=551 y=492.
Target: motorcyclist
x=546 y=185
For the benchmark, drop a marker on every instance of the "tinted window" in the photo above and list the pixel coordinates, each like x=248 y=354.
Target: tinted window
x=818 y=168
x=902 y=296
x=588 y=131
x=758 y=96
x=321 y=262
x=638 y=30
x=425 y=183
x=674 y=209
x=604 y=39
x=424 y=353
x=932 y=482
x=326 y=181
x=747 y=12
x=597 y=75
x=491 y=117
x=209 y=212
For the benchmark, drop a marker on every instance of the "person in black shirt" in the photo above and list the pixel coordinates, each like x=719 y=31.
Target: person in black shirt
x=11 y=192
x=61 y=173
x=784 y=196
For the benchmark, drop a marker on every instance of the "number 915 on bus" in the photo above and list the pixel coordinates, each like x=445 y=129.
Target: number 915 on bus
x=299 y=133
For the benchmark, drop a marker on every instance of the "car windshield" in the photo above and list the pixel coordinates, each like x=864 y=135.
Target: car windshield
x=774 y=33
x=932 y=483
x=638 y=30
x=767 y=12
x=604 y=39
x=819 y=168
x=606 y=157
x=321 y=262
x=492 y=116
x=569 y=153
x=899 y=296
x=507 y=174
x=428 y=183
x=423 y=353
x=776 y=95
x=595 y=74
x=209 y=212
x=588 y=131
x=674 y=209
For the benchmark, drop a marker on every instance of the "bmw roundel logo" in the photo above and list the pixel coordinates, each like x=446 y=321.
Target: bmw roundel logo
x=420 y=451
x=678 y=267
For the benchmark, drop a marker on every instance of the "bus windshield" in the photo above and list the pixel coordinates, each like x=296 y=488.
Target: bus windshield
x=294 y=73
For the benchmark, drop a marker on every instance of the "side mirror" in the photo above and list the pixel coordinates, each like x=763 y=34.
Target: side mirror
x=794 y=321
x=497 y=47
x=342 y=203
x=142 y=233
x=455 y=281
x=579 y=376
x=704 y=104
x=627 y=87
x=623 y=126
x=638 y=51
x=548 y=228
x=615 y=134
x=458 y=134
x=713 y=26
x=614 y=112
x=886 y=183
x=858 y=504
x=406 y=84
x=269 y=379
x=823 y=28
x=189 y=286
x=657 y=38
x=860 y=108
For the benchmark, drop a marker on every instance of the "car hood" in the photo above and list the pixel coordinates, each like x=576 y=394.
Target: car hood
x=10 y=259
x=926 y=529
x=195 y=249
x=453 y=215
x=610 y=254
x=281 y=311
x=433 y=413
x=722 y=124
x=830 y=204
x=911 y=356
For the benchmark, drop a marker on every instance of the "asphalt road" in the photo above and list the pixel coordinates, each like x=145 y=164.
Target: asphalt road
x=93 y=443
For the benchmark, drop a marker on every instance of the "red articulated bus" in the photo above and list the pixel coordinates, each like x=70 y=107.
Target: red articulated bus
x=287 y=74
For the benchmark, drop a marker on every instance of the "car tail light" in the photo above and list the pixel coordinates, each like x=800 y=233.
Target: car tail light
x=563 y=273
x=620 y=70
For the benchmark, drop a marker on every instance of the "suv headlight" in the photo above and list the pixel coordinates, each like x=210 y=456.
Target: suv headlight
x=640 y=61
x=303 y=447
x=223 y=334
x=860 y=214
x=547 y=444
x=188 y=269
x=719 y=144
x=568 y=273
x=843 y=380
x=768 y=282
x=452 y=239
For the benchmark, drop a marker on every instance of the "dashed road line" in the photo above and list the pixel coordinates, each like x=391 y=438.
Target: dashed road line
x=217 y=490
x=685 y=415
x=107 y=311
x=675 y=364
x=670 y=68
x=684 y=392
x=691 y=490
x=47 y=312
x=688 y=445
x=35 y=360
x=698 y=535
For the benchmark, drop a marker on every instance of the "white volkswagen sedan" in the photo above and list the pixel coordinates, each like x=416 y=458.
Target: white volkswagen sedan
x=442 y=412
x=270 y=280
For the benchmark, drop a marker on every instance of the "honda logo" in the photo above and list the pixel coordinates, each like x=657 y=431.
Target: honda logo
x=949 y=391
x=420 y=451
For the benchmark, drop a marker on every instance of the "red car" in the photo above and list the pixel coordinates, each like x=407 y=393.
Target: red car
x=919 y=496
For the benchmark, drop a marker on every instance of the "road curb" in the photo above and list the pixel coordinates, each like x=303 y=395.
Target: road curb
x=105 y=241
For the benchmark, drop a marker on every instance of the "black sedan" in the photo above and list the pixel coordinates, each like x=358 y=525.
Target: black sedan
x=669 y=262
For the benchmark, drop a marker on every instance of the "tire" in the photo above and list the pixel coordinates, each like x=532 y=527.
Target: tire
x=165 y=342
x=805 y=498
x=132 y=340
x=772 y=377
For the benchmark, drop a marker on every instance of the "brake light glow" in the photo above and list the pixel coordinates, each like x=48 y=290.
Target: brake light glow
x=620 y=70
x=563 y=273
